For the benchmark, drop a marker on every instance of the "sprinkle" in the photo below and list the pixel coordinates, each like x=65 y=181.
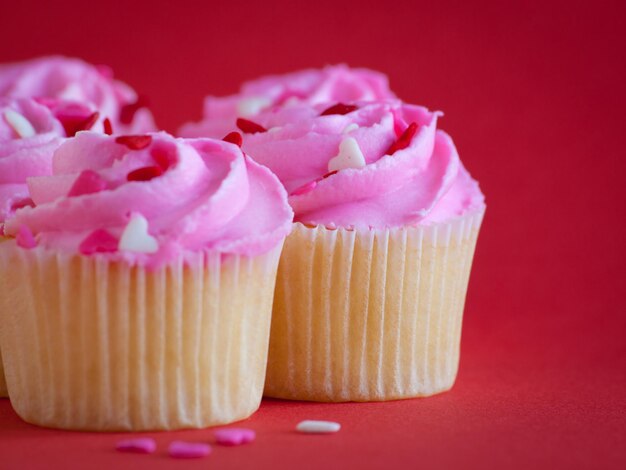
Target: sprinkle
x=134 y=142
x=305 y=188
x=404 y=140
x=25 y=238
x=22 y=126
x=127 y=113
x=145 y=174
x=99 y=241
x=108 y=127
x=142 y=445
x=339 y=108
x=188 y=450
x=349 y=156
x=234 y=436
x=88 y=182
x=234 y=138
x=330 y=173
x=318 y=427
x=249 y=127
x=164 y=156
x=252 y=105
x=75 y=120
x=136 y=238
x=350 y=127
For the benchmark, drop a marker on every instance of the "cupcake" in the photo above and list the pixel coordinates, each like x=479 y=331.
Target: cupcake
x=30 y=132
x=144 y=300
x=75 y=80
x=335 y=83
x=372 y=280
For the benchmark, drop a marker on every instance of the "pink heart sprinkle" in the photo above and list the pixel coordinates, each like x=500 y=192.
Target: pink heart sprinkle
x=234 y=436
x=25 y=238
x=143 y=445
x=188 y=450
x=88 y=182
x=99 y=241
x=305 y=188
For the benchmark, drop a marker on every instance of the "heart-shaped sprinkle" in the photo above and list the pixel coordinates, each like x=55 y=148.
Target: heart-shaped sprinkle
x=339 y=108
x=98 y=241
x=108 y=127
x=25 y=238
x=404 y=140
x=141 y=445
x=144 y=174
x=127 y=113
x=252 y=105
x=18 y=122
x=88 y=182
x=136 y=238
x=75 y=118
x=188 y=450
x=349 y=156
x=234 y=138
x=134 y=142
x=249 y=127
x=164 y=155
x=234 y=436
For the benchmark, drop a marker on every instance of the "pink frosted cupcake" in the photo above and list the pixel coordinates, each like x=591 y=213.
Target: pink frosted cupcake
x=144 y=299
x=75 y=80
x=335 y=83
x=372 y=280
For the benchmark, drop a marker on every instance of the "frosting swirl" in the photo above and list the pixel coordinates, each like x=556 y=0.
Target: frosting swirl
x=72 y=79
x=371 y=164
x=147 y=199
x=337 y=83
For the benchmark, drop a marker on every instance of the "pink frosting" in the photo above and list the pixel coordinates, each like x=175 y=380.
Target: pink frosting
x=337 y=83
x=72 y=79
x=25 y=156
x=420 y=184
x=201 y=194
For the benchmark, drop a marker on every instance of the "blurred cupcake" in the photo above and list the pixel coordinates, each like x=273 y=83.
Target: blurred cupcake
x=372 y=280
x=75 y=80
x=144 y=299
x=335 y=83
x=29 y=134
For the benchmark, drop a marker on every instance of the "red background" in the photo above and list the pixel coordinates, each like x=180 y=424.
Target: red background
x=534 y=96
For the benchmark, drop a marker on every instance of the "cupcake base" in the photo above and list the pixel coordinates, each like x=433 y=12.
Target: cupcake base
x=370 y=315
x=95 y=345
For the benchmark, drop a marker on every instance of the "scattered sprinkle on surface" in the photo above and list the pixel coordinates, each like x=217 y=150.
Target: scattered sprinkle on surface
x=318 y=427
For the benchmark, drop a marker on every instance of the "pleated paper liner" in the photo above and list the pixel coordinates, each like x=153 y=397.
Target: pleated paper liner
x=96 y=345
x=370 y=315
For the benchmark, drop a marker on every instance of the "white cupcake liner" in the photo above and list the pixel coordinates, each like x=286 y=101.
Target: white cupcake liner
x=366 y=315
x=95 y=345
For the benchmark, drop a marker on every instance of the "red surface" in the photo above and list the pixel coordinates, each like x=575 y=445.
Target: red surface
x=534 y=96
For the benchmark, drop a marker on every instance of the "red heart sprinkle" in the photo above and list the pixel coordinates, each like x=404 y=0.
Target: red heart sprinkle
x=249 y=127
x=134 y=142
x=339 y=108
x=404 y=140
x=127 y=113
x=99 y=241
x=76 y=123
x=88 y=182
x=163 y=157
x=144 y=174
x=234 y=138
x=108 y=127
x=330 y=173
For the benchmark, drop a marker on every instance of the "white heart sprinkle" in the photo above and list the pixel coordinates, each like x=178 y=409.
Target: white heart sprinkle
x=318 y=427
x=19 y=123
x=136 y=237
x=350 y=127
x=248 y=107
x=350 y=156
